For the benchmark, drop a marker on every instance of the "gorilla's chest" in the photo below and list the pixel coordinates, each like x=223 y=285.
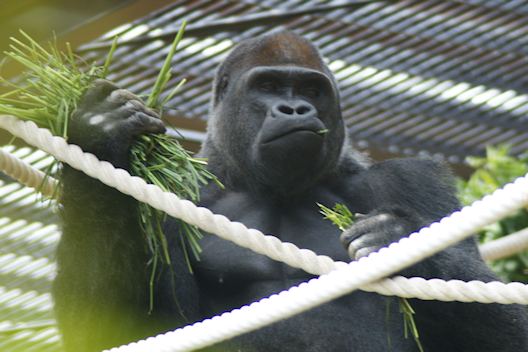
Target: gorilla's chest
x=226 y=266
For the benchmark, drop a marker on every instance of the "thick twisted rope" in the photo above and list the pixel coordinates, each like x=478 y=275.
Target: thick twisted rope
x=388 y=260
x=297 y=299
x=253 y=239
x=26 y=174
x=32 y=177
x=505 y=246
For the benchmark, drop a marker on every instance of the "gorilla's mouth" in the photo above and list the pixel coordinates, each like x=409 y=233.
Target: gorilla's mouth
x=310 y=132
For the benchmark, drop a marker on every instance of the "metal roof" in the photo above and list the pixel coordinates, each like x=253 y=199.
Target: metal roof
x=436 y=77
x=441 y=77
x=28 y=237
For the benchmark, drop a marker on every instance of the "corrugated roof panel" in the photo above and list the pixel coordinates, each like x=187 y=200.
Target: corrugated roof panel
x=28 y=237
x=461 y=61
x=416 y=77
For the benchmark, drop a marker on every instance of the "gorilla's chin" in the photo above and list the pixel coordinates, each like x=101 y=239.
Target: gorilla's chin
x=286 y=160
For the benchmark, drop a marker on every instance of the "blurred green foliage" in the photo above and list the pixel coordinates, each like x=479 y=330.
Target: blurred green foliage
x=493 y=171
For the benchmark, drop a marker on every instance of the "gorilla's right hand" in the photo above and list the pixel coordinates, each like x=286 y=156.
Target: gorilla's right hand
x=108 y=120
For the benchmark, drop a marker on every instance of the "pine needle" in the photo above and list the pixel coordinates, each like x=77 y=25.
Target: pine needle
x=339 y=215
x=409 y=325
x=54 y=84
x=160 y=160
x=164 y=75
x=108 y=57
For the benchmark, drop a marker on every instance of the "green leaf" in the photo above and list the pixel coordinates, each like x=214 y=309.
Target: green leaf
x=493 y=171
x=53 y=86
x=164 y=75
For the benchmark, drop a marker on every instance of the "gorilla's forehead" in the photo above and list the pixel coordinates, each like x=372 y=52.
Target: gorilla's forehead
x=278 y=49
x=288 y=48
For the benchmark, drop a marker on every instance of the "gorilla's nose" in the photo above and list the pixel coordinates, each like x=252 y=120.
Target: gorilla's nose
x=292 y=110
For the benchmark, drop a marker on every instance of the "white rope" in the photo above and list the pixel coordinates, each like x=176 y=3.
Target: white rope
x=297 y=299
x=254 y=239
x=26 y=174
x=32 y=177
x=397 y=256
x=505 y=246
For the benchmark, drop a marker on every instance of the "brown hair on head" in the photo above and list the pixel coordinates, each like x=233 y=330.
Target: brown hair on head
x=284 y=48
x=279 y=48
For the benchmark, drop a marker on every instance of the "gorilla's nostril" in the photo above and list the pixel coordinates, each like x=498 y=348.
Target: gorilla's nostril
x=303 y=109
x=285 y=109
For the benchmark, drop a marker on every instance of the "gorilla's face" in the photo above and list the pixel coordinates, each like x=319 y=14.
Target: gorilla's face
x=280 y=123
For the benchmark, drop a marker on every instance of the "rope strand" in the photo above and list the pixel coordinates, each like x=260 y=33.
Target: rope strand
x=26 y=174
x=343 y=280
x=251 y=238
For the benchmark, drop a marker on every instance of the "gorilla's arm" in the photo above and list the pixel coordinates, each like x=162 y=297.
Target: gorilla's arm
x=101 y=291
x=401 y=196
x=406 y=195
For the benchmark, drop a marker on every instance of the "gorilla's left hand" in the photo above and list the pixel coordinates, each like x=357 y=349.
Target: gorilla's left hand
x=378 y=229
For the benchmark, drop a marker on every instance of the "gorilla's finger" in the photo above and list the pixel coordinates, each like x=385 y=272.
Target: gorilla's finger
x=365 y=245
x=129 y=109
x=138 y=105
x=121 y=96
x=143 y=123
x=363 y=226
x=363 y=252
x=97 y=93
x=368 y=223
x=346 y=237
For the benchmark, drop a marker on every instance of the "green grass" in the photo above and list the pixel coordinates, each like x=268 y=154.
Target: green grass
x=339 y=215
x=497 y=168
x=53 y=84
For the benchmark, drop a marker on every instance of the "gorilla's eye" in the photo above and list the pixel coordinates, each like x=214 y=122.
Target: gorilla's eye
x=311 y=91
x=268 y=86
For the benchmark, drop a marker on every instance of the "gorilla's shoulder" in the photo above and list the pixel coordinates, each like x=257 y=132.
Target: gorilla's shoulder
x=426 y=184
x=415 y=169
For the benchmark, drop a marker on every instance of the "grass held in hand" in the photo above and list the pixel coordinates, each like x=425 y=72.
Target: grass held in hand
x=339 y=215
x=54 y=84
x=343 y=218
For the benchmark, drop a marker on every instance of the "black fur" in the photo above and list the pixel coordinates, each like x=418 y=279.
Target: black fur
x=274 y=98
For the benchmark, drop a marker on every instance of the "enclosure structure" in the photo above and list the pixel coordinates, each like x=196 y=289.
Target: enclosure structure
x=442 y=78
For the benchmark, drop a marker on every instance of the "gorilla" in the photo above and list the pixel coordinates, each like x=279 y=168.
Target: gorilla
x=277 y=141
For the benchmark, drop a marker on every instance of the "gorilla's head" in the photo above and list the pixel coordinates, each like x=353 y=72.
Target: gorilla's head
x=275 y=122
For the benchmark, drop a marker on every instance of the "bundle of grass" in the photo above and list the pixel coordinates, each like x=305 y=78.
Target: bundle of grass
x=54 y=84
x=339 y=215
x=343 y=218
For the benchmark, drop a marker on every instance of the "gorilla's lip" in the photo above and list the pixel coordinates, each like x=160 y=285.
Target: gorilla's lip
x=292 y=131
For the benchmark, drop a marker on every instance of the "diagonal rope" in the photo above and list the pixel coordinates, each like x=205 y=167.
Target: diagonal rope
x=505 y=246
x=345 y=279
x=288 y=253
x=32 y=177
x=388 y=260
x=26 y=174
